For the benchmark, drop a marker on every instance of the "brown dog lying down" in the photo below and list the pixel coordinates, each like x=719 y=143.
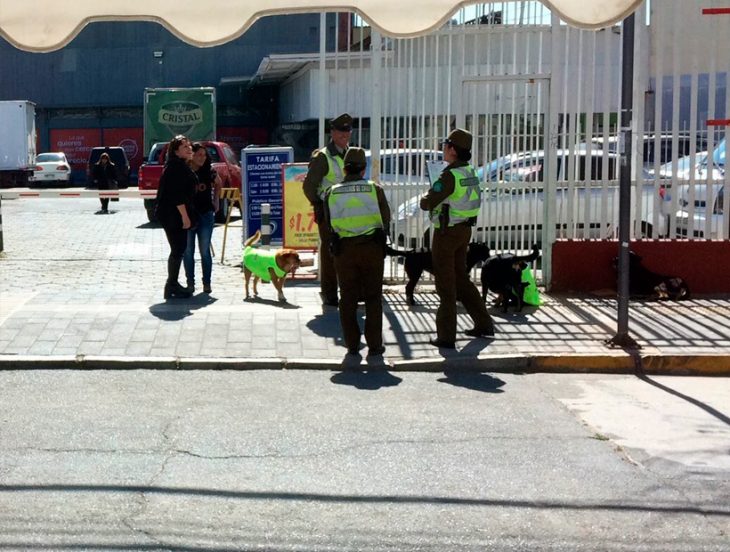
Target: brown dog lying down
x=267 y=265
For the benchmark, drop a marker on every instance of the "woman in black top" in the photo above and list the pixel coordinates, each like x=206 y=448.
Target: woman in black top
x=105 y=178
x=205 y=203
x=174 y=209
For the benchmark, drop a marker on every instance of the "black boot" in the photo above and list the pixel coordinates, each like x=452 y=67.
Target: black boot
x=176 y=291
x=173 y=289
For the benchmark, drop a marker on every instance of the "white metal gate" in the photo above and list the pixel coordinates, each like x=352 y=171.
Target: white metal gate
x=408 y=93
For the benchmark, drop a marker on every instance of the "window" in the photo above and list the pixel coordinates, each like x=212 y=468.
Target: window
x=213 y=154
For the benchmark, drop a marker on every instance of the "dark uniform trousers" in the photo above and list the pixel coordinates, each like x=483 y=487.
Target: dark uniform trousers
x=360 y=271
x=452 y=282
x=328 y=275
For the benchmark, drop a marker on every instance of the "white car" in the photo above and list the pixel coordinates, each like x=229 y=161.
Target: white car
x=512 y=199
x=701 y=206
x=52 y=168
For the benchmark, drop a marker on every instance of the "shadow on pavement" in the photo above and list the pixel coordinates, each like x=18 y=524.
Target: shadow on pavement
x=707 y=408
x=370 y=380
x=177 y=309
x=271 y=302
x=147 y=225
x=327 y=324
x=474 y=381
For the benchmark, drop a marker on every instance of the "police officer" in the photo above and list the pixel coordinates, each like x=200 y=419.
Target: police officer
x=453 y=202
x=326 y=169
x=358 y=214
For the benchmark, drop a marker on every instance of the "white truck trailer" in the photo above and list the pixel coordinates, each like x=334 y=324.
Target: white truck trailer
x=17 y=142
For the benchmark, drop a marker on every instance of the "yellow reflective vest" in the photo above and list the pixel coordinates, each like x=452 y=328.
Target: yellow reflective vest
x=464 y=201
x=354 y=209
x=335 y=174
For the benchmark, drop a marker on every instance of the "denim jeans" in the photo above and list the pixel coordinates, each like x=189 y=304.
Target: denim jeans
x=204 y=232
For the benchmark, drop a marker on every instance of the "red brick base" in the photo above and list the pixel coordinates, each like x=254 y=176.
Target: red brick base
x=586 y=265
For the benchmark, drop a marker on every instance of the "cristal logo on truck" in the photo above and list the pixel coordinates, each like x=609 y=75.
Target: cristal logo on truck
x=180 y=117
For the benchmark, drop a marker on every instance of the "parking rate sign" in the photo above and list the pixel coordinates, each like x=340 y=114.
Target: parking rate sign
x=261 y=169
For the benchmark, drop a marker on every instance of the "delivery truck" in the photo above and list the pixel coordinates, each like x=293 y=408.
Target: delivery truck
x=172 y=111
x=17 y=142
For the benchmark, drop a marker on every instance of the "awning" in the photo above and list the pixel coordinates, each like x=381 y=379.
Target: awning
x=45 y=25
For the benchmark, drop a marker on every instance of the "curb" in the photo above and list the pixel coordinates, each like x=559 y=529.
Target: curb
x=614 y=363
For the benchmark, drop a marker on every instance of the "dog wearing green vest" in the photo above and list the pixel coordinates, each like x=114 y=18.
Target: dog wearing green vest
x=268 y=266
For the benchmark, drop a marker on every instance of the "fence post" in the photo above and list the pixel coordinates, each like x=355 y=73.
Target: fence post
x=265 y=226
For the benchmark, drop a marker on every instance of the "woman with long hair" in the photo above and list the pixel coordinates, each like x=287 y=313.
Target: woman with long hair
x=206 y=204
x=105 y=178
x=174 y=209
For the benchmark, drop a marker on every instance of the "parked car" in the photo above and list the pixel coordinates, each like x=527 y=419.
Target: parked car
x=702 y=210
x=51 y=168
x=403 y=165
x=663 y=144
x=512 y=198
x=224 y=161
x=118 y=156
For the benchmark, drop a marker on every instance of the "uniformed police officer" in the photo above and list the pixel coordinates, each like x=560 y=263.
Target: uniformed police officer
x=453 y=202
x=326 y=169
x=358 y=215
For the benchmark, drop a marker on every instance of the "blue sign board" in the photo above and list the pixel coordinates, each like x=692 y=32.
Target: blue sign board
x=262 y=183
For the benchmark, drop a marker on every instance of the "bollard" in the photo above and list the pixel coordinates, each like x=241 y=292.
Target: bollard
x=265 y=226
x=2 y=248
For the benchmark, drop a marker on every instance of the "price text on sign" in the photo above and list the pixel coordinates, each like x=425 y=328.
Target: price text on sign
x=300 y=230
x=299 y=223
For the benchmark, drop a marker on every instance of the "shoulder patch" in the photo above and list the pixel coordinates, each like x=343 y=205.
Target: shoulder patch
x=438 y=186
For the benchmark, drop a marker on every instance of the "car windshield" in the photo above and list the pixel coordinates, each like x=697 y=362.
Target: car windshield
x=49 y=158
x=155 y=152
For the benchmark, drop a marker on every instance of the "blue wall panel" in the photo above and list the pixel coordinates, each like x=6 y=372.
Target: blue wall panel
x=110 y=63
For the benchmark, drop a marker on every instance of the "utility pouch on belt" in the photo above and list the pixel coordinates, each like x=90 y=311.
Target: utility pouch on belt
x=444 y=218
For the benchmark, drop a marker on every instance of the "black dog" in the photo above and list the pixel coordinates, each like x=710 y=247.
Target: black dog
x=645 y=283
x=416 y=261
x=502 y=274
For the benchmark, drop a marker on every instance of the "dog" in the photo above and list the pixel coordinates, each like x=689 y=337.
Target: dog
x=645 y=283
x=260 y=263
x=502 y=274
x=416 y=261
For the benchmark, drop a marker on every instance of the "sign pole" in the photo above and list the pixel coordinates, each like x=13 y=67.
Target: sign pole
x=622 y=337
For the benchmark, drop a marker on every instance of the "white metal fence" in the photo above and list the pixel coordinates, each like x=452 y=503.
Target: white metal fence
x=542 y=100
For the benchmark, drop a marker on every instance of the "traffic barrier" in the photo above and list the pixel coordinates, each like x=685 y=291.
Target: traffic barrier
x=100 y=194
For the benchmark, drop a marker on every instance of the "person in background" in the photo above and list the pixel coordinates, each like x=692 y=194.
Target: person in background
x=326 y=169
x=206 y=205
x=105 y=178
x=453 y=203
x=174 y=209
x=358 y=214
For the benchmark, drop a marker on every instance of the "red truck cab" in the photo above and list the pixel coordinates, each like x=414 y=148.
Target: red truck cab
x=224 y=161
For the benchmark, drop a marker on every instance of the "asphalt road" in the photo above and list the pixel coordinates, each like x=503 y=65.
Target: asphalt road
x=325 y=461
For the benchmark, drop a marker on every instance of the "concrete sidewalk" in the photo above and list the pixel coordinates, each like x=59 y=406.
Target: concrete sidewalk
x=90 y=296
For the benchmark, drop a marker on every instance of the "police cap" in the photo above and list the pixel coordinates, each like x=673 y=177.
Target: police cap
x=355 y=157
x=459 y=138
x=342 y=122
